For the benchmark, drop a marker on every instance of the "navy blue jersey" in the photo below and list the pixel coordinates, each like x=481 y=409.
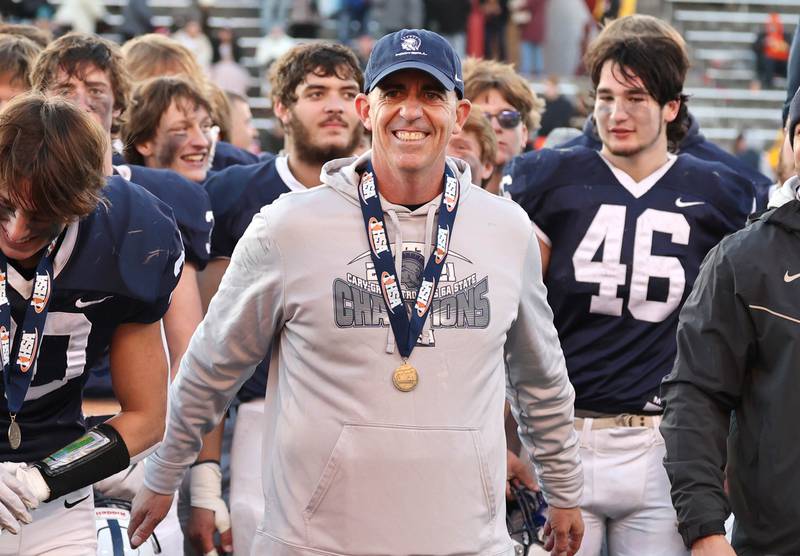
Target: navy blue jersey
x=237 y=194
x=118 y=265
x=189 y=203
x=226 y=155
x=624 y=258
x=695 y=144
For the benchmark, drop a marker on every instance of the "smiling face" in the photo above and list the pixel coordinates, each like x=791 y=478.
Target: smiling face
x=90 y=89
x=510 y=142
x=182 y=141
x=412 y=118
x=322 y=124
x=630 y=122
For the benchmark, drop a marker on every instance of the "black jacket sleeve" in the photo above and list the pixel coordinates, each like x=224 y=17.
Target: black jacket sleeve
x=715 y=340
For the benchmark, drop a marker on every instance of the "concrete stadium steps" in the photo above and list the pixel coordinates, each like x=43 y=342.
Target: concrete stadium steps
x=720 y=35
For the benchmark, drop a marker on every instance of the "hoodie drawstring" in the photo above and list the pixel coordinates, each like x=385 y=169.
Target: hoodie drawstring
x=428 y=240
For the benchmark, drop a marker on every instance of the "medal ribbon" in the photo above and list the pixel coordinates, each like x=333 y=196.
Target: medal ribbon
x=17 y=365
x=406 y=332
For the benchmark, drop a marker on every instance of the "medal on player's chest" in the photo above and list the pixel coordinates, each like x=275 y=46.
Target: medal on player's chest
x=18 y=355
x=405 y=378
x=14 y=434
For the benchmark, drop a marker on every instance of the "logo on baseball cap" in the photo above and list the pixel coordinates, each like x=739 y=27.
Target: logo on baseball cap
x=415 y=49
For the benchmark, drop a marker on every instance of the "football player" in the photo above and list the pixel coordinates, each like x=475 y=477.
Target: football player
x=622 y=233
x=693 y=142
x=154 y=55
x=89 y=71
x=87 y=265
x=17 y=55
x=313 y=92
x=504 y=96
x=169 y=125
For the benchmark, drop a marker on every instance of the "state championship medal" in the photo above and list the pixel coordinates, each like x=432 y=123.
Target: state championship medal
x=406 y=331
x=405 y=378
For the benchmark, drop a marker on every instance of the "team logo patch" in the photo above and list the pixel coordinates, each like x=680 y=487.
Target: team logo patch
x=391 y=293
x=442 y=238
x=5 y=345
x=377 y=236
x=41 y=292
x=424 y=297
x=368 y=186
x=27 y=351
x=450 y=193
x=410 y=43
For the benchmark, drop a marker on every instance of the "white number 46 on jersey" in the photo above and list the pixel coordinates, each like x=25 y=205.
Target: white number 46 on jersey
x=607 y=229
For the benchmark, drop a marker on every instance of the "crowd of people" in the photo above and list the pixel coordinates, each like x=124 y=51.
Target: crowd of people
x=437 y=296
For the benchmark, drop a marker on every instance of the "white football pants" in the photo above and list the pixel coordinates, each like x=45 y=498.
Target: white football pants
x=626 y=499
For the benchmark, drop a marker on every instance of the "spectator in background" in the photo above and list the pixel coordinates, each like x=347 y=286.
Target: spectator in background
x=192 y=37
x=226 y=71
x=352 y=19
x=17 y=56
x=449 y=19
x=475 y=144
x=499 y=92
x=530 y=17
x=79 y=15
x=274 y=45
x=558 y=109
x=242 y=133
x=300 y=18
x=39 y=36
x=136 y=19
x=746 y=153
x=772 y=52
x=494 y=35
x=391 y=15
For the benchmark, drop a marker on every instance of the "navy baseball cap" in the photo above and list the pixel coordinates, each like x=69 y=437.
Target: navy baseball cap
x=415 y=49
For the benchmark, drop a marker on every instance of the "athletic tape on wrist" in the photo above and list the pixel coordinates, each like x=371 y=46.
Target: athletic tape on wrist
x=98 y=454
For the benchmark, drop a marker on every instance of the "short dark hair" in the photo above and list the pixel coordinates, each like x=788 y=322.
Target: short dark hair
x=72 y=53
x=651 y=53
x=148 y=104
x=30 y=32
x=17 y=56
x=52 y=157
x=322 y=59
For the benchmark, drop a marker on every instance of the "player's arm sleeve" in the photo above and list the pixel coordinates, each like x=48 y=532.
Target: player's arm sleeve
x=234 y=336
x=539 y=390
x=715 y=343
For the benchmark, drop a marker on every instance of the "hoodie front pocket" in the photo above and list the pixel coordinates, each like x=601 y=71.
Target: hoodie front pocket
x=403 y=490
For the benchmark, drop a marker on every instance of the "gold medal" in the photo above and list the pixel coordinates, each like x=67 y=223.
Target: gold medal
x=14 y=434
x=405 y=378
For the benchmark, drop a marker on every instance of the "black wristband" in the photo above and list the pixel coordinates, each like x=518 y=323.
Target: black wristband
x=98 y=454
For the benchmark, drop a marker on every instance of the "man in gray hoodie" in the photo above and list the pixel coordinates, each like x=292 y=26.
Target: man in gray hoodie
x=402 y=305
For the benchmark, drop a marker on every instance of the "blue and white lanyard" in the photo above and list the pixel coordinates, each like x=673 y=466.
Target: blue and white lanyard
x=18 y=362
x=406 y=332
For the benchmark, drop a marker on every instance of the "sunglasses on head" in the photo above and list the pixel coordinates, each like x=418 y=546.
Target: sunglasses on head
x=508 y=119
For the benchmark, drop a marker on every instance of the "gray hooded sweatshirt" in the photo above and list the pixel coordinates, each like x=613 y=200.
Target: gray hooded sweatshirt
x=352 y=466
